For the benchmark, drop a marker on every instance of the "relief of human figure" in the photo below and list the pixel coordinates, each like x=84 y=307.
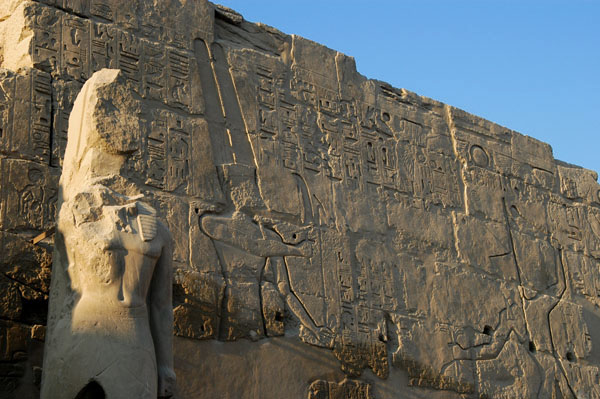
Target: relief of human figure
x=246 y=243
x=110 y=318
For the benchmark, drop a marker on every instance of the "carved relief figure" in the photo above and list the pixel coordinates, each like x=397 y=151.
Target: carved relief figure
x=250 y=248
x=255 y=244
x=110 y=317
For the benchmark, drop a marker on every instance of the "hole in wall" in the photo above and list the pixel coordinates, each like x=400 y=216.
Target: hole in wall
x=570 y=356
x=487 y=330
x=531 y=346
x=278 y=316
x=179 y=294
x=514 y=211
x=92 y=390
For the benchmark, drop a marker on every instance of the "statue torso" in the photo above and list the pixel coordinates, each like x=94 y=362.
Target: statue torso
x=113 y=257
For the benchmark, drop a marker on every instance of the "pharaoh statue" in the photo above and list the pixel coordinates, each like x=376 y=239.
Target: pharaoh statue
x=110 y=318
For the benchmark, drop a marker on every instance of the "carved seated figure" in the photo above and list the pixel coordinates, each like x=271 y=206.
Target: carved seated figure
x=110 y=317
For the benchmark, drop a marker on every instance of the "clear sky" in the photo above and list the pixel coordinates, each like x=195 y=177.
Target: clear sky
x=530 y=65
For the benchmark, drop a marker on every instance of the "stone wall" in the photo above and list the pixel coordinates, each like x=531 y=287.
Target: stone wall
x=355 y=240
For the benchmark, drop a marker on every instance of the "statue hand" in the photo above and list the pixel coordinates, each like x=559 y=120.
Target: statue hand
x=166 y=382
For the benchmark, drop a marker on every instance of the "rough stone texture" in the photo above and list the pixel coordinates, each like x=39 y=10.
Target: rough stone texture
x=347 y=235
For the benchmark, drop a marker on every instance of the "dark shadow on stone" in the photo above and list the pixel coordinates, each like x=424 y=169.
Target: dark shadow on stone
x=93 y=390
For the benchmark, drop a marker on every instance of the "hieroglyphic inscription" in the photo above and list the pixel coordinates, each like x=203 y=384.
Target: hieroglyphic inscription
x=102 y=9
x=74 y=47
x=154 y=71
x=347 y=140
x=178 y=87
x=129 y=53
x=584 y=273
x=29 y=195
x=64 y=93
x=103 y=46
x=168 y=151
x=26 y=115
x=346 y=389
x=150 y=24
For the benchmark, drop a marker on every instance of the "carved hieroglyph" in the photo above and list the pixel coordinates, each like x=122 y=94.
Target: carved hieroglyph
x=111 y=315
x=348 y=237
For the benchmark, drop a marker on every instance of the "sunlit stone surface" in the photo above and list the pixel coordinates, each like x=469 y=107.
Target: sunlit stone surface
x=333 y=236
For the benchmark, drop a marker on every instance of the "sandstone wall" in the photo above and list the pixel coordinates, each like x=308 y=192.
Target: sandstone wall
x=353 y=239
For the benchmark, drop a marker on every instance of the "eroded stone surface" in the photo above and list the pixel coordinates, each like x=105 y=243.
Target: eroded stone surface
x=402 y=242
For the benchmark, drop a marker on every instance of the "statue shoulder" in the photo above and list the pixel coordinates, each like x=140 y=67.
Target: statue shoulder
x=152 y=225
x=85 y=206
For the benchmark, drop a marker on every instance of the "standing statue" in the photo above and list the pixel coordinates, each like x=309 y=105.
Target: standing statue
x=110 y=317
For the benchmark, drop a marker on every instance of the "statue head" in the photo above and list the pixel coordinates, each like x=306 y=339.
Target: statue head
x=104 y=130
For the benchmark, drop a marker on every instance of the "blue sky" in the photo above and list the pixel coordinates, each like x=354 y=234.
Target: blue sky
x=532 y=66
